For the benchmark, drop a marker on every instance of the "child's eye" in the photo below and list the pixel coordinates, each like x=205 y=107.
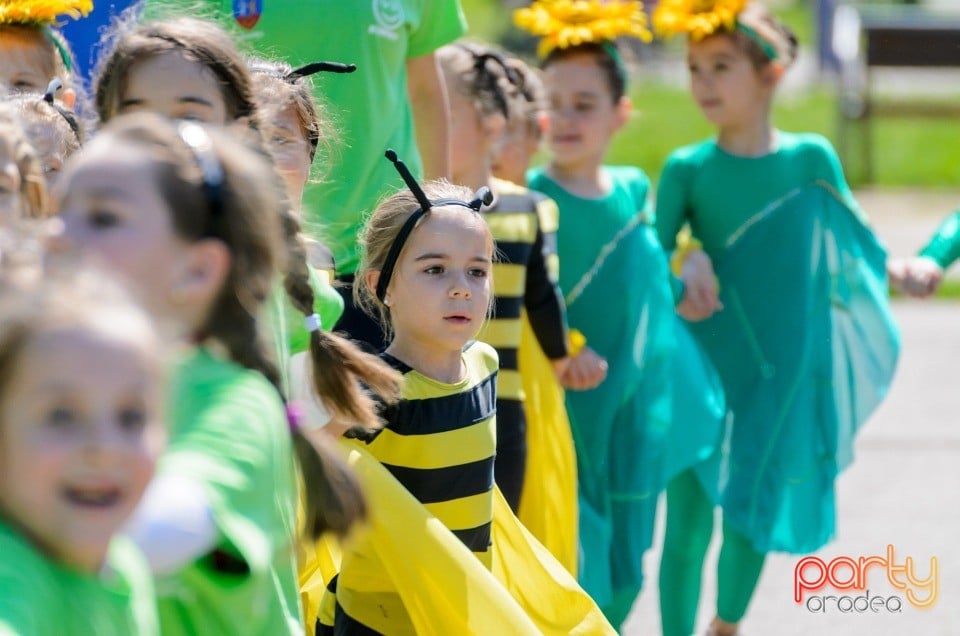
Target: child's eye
x=102 y=219
x=478 y=272
x=60 y=417
x=434 y=269
x=25 y=85
x=280 y=141
x=722 y=66
x=583 y=107
x=132 y=419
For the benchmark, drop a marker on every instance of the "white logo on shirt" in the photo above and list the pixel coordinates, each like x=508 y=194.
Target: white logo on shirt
x=389 y=17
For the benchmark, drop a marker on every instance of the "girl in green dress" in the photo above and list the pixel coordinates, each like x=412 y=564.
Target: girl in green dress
x=801 y=333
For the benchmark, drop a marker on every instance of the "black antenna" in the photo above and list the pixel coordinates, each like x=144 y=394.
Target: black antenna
x=412 y=184
x=319 y=67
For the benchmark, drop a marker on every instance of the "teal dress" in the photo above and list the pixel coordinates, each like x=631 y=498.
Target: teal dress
x=805 y=346
x=615 y=281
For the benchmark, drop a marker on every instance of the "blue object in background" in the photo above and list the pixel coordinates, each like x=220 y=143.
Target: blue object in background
x=84 y=34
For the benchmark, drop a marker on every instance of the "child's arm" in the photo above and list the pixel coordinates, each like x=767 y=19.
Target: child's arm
x=922 y=275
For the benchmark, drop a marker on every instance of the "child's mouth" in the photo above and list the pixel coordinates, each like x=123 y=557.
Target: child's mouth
x=92 y=497
x=457 y=319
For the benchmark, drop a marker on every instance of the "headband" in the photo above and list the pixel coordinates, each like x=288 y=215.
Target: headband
x=198 y=141
x=52 y=88
x=699 y=20
x=563 y=24
x=481 y=198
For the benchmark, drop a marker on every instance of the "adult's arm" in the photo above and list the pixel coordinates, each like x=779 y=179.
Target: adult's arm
x=431 y=114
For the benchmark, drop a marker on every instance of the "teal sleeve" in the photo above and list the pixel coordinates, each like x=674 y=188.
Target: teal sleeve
x=671 y=205
x=832 y=172
x=944 y=247
x=441 y=22
x=676 y=288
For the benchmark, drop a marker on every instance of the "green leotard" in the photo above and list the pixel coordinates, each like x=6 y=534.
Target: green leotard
x=944 y=246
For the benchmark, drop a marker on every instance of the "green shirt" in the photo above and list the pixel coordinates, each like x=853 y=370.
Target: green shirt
x=39 y=597
x=717 y=192
x=944 y=247
x=229 y=433
x=370 y=107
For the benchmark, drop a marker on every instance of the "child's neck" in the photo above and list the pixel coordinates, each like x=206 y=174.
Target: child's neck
x=582 y=180
x=753 y=139
x=438 y=363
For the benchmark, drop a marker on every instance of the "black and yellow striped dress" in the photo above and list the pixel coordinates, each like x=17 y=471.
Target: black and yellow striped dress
x=523 y=224
x=439 y=442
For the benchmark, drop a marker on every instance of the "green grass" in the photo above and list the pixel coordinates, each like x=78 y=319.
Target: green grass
x=906 y=152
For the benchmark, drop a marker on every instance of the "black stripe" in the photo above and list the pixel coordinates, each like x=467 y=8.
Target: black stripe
x=402 y=367
x=434 y=485
x=511 y=419
x=477 y=539
x=549 y=242
x=346 y=625
x=508 y=358
x=507 y=306
x=512 y=252
x=441 y=414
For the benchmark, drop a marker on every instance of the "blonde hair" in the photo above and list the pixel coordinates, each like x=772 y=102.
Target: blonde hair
x=381 y=230
x=33 y=191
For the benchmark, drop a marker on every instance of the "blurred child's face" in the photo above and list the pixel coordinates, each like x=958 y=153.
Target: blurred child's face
x=440 y=290
x=290 y=149
x=51 y=148
x=583 y=115
x=25 y=66
x=80 y=432
x=517 y=151
x=173 y=86
x=728 y=89
x=113 y=213
x=467 y=134
x=10 y=182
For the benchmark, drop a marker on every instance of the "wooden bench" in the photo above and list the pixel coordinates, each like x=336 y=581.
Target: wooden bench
x=867 y=38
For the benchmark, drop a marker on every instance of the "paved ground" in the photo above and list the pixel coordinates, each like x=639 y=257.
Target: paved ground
x=904 y=487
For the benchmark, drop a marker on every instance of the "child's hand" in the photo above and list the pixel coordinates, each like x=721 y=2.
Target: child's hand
x=560 y=367
x=585 y=371
x=701 y=296
x=919 y=277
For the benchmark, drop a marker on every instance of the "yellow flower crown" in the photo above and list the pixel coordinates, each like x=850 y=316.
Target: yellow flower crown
x=42 y=12
x=696 y=18
x=566 y=23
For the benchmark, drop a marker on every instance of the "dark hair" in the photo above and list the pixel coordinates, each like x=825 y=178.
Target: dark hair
x=248 y=213
x=199 y=41
x=607 y=56
x=482 y=74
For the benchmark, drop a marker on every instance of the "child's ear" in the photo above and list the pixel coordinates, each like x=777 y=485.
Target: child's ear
x=202 y=274
x=772 y=74
x=69 y=98
x=624 y=109
x=372 y=278
x=494 y=127
x=543 y=122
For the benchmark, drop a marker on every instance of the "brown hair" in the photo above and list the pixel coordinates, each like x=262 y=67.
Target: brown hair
x=33 y=191
x=474 y=70
x=776 y=34
x=380 y=232
x=251 y=206
x=607 y=55
x=275 y=93
x=46 y=48
x=199 y=41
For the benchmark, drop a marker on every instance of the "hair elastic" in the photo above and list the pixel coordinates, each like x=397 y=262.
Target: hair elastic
x=199 y=143
x=295 y=416
x=482 y=197
x=768 y=49
x=312 y=322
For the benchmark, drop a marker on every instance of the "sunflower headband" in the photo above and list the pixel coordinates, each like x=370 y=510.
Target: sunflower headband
x=702 y=18
x=564 y=23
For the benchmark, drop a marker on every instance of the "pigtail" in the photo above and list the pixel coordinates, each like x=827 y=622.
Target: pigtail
x=334 y=500
x=339 y=369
